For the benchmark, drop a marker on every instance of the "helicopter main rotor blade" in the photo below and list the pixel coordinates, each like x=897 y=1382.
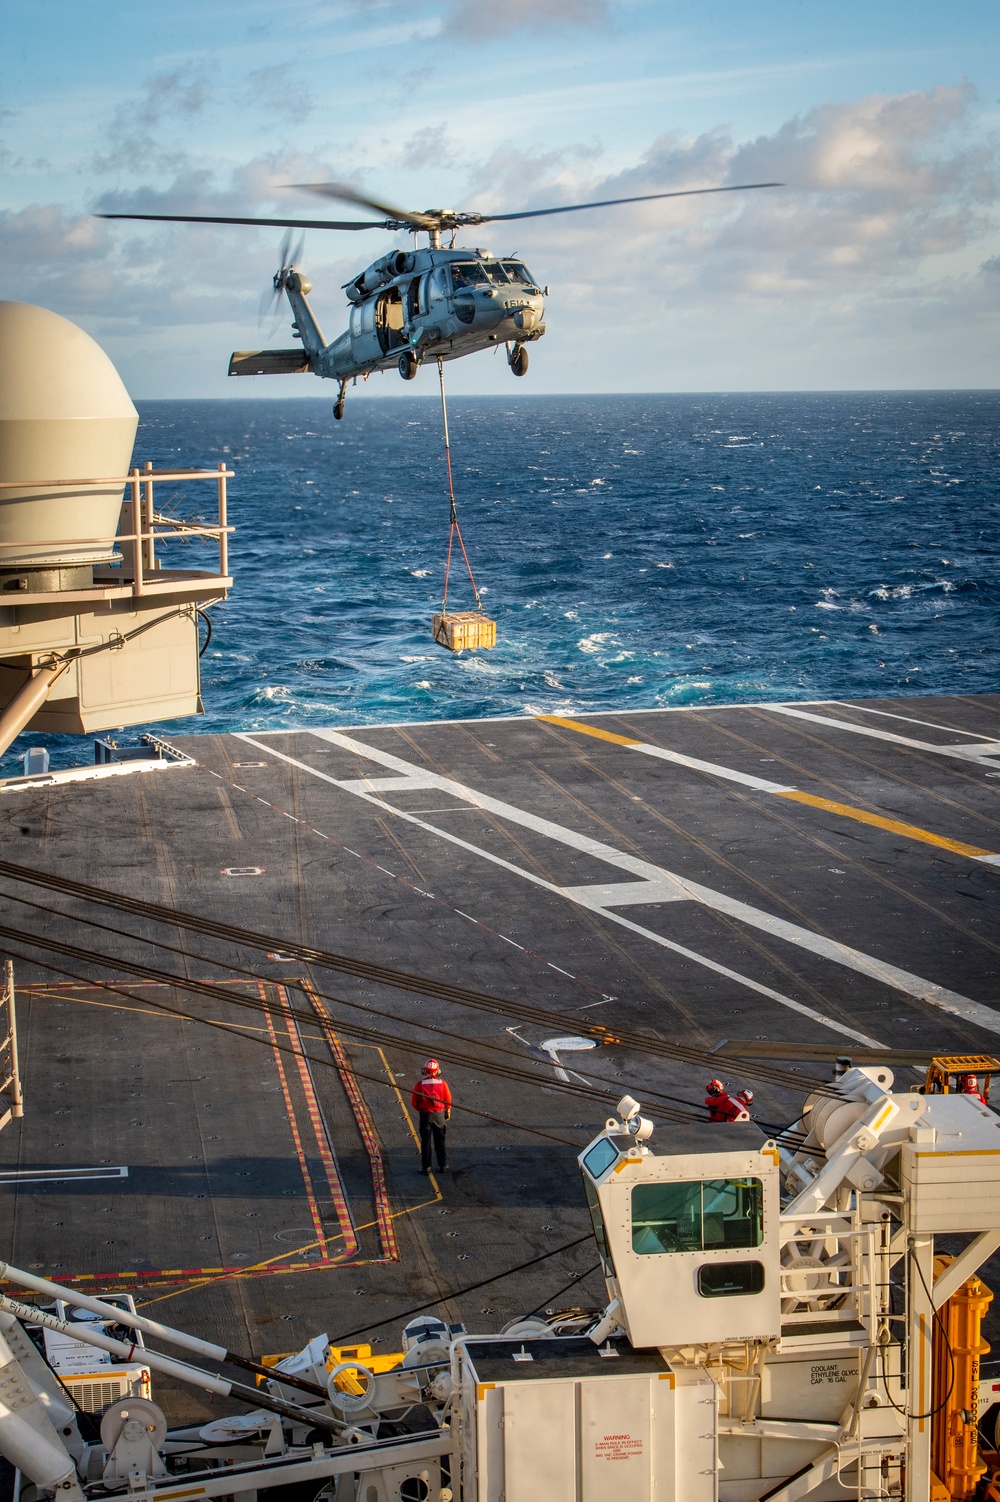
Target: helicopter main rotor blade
x=350 y=195
x=607 y=203
x=440 y=219
x=288 y=223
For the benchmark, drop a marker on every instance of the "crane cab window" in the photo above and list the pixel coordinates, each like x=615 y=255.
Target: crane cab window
x=600 y=1234
x=700 y=1216
x=600 y=1157
x=468 y=274
x=726 y=1280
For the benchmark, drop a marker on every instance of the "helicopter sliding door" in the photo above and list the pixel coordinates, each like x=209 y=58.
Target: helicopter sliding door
x=365 y=346
x=389 y=320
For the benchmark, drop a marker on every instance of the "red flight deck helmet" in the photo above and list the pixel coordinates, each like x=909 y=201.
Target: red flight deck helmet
x=970 y=1085
x=715 y=1087
x=746 y=1096
x=432 y=1067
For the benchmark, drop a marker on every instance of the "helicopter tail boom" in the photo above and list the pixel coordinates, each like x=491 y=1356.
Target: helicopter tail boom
x=308 y=330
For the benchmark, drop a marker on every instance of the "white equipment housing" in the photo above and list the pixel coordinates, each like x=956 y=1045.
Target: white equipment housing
x=92 y=1378
x=768 y=1338
x=691 y=1239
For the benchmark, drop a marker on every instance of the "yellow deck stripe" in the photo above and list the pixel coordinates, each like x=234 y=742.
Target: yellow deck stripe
x=601 y=735
x=895 y=826
x=844 y=810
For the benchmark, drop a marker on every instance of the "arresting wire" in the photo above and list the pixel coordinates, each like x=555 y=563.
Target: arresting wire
x=670 y=1108
x=674 y=1107
x=401 y=980
x=289 y=1048
x=217 y=992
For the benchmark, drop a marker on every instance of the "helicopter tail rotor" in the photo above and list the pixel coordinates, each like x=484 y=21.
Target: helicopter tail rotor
x=289 y=254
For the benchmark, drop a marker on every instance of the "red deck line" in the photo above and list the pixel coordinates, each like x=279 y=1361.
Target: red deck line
x=314 y=1210
x=148 y=1277
x=366 y=1126
x=330 y=1169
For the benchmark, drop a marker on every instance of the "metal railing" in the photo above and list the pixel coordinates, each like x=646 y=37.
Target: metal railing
x=837 y=1287
x=141 y=539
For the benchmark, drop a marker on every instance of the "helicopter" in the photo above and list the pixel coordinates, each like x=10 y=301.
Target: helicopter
x=431 y=303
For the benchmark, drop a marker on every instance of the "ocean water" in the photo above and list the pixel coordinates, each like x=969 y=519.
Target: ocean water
x=636 y=551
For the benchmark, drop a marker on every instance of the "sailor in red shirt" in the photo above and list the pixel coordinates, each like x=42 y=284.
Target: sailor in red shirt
x=969 y=1085
x=724 y=1107
x=431 y=1098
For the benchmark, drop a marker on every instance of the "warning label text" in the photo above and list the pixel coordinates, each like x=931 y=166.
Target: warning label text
x=617 y=1447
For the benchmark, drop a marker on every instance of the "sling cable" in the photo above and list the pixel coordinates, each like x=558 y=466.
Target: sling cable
x=462 y=630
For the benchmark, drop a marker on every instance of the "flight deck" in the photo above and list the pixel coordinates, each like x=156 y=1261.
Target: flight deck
x=217 y=1118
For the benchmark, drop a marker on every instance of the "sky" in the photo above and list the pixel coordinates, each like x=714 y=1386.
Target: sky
x=875 y=266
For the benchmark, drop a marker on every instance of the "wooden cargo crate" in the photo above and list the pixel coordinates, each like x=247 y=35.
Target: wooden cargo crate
x=464 y=631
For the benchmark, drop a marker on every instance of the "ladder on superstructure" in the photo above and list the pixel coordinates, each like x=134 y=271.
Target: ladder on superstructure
x=11 y=1101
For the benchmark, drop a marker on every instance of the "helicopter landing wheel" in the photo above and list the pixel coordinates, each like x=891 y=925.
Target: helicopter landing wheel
x=407 y=366
x=338 y=409
x=519 y=360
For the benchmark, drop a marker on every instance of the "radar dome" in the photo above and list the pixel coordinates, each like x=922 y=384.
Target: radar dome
x=65 y=418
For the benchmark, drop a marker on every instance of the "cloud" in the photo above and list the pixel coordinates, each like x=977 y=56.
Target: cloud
x=483 y=20
x=474 y=20
x=55 y=259
x=430 y=146
x=257 y=187
x=14 y=161
x=132 y=144
x=866 y=266
x=276 y=92
x=516 y=178
x=875 y=261
x=873 y=189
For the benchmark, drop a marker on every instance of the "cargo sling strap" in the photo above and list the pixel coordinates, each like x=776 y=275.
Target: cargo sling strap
x=454 y=529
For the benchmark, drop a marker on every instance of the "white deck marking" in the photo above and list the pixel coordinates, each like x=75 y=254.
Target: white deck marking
x=18 y=1176
x=415 y=783
x=761 y=784
x=842 y=810
x=952 y=1002
x=627 y=893
x=908 y=719
x=963 y=753
x=567 y=892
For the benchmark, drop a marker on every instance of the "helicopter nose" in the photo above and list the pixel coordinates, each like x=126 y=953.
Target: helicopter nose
x=526 y=318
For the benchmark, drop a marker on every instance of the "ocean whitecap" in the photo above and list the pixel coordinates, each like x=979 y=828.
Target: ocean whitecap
x=595 y=641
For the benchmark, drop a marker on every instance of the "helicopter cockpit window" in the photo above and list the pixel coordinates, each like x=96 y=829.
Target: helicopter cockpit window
x=468 y=274
x=496 y=273
x=518 y=272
